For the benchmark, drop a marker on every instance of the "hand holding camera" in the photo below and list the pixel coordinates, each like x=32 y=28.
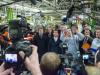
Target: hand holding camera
x=32 y=62
x=7 y=71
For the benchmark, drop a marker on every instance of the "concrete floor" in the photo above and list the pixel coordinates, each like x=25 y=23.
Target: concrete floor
x=92 y=70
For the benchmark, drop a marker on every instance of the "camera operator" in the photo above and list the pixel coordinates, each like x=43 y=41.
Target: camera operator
x=4 y=37
x=31 y=62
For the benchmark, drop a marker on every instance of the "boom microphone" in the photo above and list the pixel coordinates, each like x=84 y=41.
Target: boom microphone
x=34 y=1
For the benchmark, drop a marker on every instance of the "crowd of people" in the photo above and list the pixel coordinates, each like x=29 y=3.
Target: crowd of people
x=47 y=44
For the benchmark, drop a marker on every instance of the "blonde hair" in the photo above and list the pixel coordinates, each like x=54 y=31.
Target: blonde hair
x=50 y=61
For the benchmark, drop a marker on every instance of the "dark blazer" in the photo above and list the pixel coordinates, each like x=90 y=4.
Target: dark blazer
x=48 y=37
x=54 y=46
x=41 y=43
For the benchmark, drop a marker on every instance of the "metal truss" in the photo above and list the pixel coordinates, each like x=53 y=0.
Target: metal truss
x=59 y=6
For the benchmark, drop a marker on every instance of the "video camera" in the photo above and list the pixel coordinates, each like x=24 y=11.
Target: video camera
x=17 y=29
x=88 y=58
x=69 y=64
x=63 y=47
x=66 y=59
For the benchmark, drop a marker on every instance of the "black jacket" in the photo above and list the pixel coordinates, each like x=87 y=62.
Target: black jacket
x=54 y=46
x=48 y=37
x=41 y=43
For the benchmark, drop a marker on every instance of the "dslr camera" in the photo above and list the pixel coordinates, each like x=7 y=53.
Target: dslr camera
x=88 y=58
x=63 y=47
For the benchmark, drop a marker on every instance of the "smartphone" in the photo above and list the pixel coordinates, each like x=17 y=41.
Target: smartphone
x=85 y=57
x=11 y=58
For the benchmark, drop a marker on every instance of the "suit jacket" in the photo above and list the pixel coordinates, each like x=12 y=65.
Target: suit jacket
x=41 y=43
x=54 y=46
x=48 y=37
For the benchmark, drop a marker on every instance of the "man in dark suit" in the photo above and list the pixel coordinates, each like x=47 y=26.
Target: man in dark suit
x=40 y=40
x=54 y=43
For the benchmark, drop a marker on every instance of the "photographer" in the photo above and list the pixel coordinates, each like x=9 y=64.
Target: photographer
x=4 y=38
x=31 y=62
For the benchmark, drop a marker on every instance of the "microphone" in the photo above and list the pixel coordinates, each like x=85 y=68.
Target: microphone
x=33 y=2
x=70 y=11
x=19 y=16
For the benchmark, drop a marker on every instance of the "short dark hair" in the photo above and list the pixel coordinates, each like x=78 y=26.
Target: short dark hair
x=3 y=27
x=74 y=26
x=84 y=23
x=55 y=30
x=97 y=28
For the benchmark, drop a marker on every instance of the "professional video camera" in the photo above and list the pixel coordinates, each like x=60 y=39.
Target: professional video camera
x=69 y=64
x=63 y=47
x=88 y=58
x=66 y=59
x=17 y=29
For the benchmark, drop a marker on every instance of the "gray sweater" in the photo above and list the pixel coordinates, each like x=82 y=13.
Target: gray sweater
x=73 y=43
